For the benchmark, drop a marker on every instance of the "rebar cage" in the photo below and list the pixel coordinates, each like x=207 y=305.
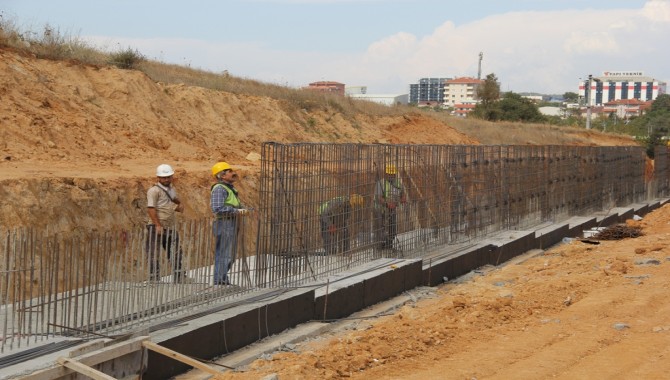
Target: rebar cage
x=452 y=194
x=56 y=285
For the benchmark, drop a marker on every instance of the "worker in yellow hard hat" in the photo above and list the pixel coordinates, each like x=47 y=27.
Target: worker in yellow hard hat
x=389 y=193
x=227 y=209
x=334 y=216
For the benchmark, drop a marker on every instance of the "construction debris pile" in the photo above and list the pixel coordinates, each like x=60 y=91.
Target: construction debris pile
x=619 y=232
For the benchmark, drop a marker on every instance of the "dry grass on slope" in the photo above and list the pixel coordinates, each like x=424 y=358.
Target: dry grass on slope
x=51 y=43
x=509 y=133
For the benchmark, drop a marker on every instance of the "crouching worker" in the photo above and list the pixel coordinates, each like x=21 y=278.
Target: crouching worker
x=334 y=216
x=389 y=194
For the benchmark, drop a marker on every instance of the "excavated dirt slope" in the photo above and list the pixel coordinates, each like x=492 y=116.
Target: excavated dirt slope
x=79 y=146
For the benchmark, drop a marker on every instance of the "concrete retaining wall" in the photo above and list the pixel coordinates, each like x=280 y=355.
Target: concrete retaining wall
x=349 y=292
x=265 y=314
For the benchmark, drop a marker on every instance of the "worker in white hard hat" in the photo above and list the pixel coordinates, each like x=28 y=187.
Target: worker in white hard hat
x=227 y=209
x=162 y=205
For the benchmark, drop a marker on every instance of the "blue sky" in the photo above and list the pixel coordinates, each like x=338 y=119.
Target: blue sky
x=531 y=45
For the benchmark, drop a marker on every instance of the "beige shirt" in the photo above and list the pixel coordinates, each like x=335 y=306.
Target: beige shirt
x=165 y=207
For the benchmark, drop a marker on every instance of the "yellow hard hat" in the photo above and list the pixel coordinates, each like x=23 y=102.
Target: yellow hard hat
x=391 y=169
x=219 y=167
x=356 y=200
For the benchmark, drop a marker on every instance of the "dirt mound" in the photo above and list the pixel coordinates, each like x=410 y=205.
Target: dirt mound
x=101 y=117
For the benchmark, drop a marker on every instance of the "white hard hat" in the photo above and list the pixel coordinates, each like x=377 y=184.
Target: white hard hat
x=164 y=170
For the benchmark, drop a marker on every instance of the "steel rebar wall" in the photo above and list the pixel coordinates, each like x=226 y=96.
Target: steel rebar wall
x=453 y=194
x=99 y=282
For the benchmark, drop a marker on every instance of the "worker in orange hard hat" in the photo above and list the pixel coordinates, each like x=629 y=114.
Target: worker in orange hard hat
x=389 y=193
x=227 y=209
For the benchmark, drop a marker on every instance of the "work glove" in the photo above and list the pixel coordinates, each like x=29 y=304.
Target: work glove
x=332 y=229
x=391 y=205
x=242 y=212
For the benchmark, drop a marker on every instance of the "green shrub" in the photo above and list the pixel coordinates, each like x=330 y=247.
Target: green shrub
x=126 y=59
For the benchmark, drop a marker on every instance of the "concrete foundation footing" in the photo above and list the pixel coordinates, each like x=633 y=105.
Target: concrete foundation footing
x=225 y=331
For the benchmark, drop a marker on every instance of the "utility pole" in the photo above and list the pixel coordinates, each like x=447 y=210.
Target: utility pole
x=588 y=100
x=479 y=70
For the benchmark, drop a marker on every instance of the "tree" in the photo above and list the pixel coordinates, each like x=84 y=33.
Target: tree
x=488 y=94
x=662 y=103
x=656 y=123
x=489 y=91
x=571 y=97
x=514 y=107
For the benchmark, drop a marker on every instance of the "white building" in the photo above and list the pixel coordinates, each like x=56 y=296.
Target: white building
x=386 y=99
x=551 y=111
x=355 y=90
x=464 y=108
x=460 y=91
x=534 y=98
x=620 y=85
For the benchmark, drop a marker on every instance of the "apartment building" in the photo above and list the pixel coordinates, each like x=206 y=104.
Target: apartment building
x=460 y=91
x=428 y=92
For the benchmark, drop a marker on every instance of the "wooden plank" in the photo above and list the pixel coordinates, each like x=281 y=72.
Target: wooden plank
x=180 y=357
x=83 y=369
x=90 y=359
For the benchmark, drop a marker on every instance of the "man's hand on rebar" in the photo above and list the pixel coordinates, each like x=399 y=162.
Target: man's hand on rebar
x=332 y=229
x=391 y=205
x=242 y=212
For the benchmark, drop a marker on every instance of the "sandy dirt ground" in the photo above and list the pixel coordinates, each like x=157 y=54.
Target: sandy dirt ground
x=575 y=311
x=79 y=146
